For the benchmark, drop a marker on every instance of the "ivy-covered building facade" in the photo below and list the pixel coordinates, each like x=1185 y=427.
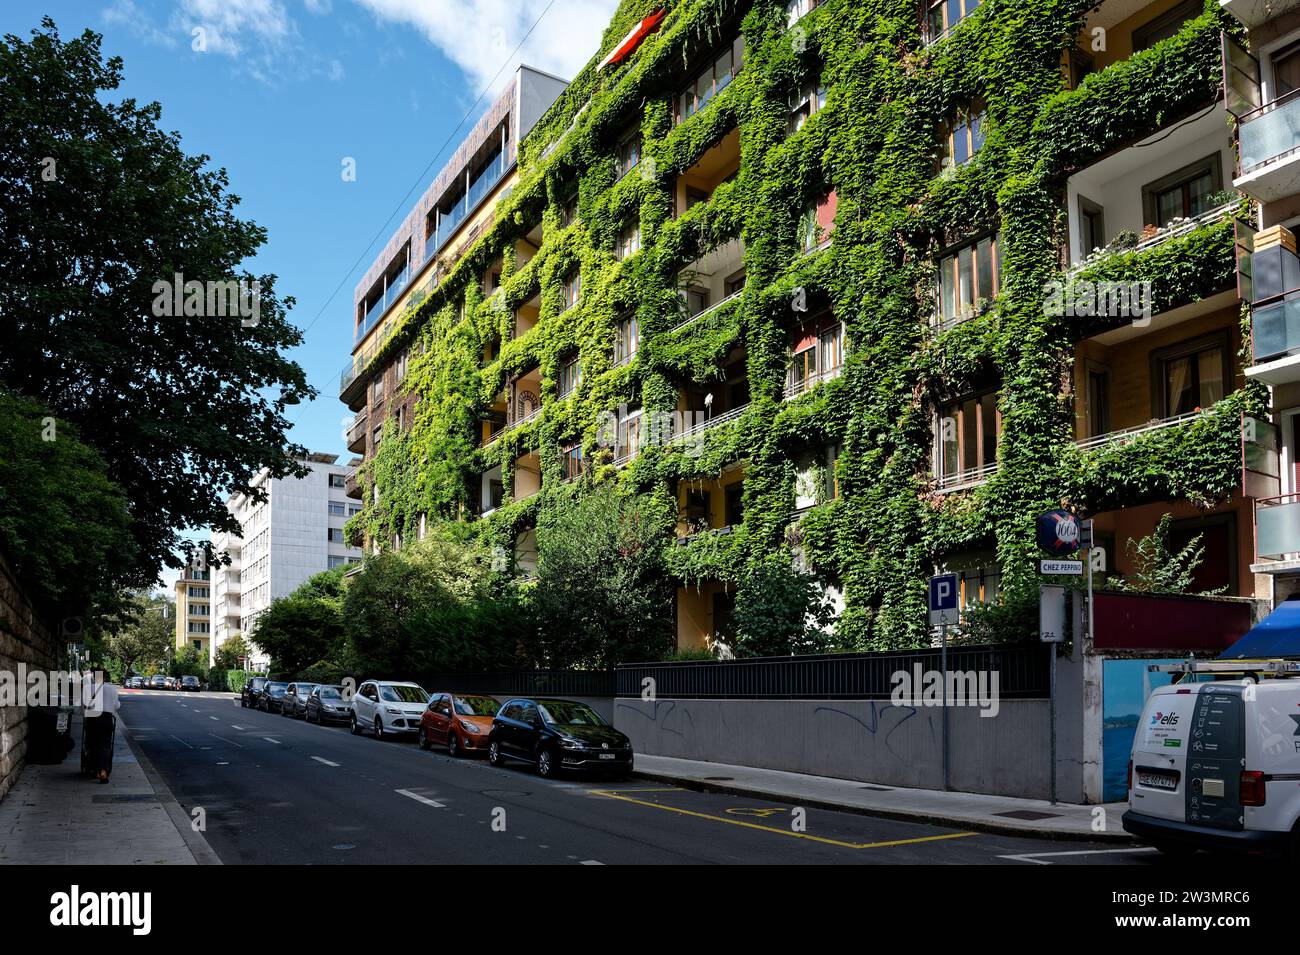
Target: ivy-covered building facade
x=862 y=285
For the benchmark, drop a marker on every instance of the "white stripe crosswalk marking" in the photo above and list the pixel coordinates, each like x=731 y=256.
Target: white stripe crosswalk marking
x=418 y=798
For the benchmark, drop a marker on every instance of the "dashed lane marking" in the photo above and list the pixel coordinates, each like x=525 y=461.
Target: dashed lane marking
x=327 y=762
x=271 y=740
x=1039 y=858
x=418 y=798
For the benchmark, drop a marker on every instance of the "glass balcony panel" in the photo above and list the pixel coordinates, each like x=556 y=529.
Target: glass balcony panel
x=1277 y=527
x=1271 y=133
x=1275 y=329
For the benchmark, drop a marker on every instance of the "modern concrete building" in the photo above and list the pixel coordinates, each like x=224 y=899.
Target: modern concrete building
x=194 y=610
x=452 y=215
x=297 y=531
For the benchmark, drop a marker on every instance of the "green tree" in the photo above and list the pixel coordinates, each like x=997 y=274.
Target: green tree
x=781 y=609
x=305 y=627
x=145 y=636
x=1157 y=569
x=226 y=656
x=99 y=204
x=601 y=595
x=63 y=523
x=189 y=661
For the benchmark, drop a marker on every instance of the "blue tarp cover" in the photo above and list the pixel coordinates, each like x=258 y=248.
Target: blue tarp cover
x=1277 y=635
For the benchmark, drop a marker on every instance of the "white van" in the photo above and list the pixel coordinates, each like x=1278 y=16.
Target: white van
x=1217 y=764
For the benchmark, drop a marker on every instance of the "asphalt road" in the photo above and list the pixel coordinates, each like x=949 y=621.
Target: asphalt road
x=277 y=790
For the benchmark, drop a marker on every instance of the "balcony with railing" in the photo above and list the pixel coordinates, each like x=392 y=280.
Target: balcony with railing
x=1127 y=435
x=1268 y=130
x=351 y=480
x=712 y=282
x=1277 y=532
x=1269 y=275
x=448 y=220
x=356 y=437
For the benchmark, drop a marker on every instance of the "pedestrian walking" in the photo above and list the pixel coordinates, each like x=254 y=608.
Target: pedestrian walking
x=99 y=723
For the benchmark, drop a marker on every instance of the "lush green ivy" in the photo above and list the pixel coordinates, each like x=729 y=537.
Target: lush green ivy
x=875 y=143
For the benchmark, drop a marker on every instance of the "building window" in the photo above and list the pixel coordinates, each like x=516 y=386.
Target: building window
x=1092 y=227
x=198 y=627
x=963 y=138
x=945 y=14
x=400 y=366
x=815 y=355
x=1191 y=376
x=569 y=211
x=629 y=240
x=1166 y=25
x=734 y=505
x=337 y=510
x=571 y=290
x=572 y=461
x=335 y=535
x=967 y=277
x=968 y=432
x=711 y=81
x=697 y=299
x=337 y=480
x=1183 y=194
x=201 y=592
x=377 y=391
x=627 y=340
x=354 y=510
x=796 y=10
x=335 y=561
x=628 y=156
x=376 y=436
x=809 y=99
x=570 y=375
x=627 y=439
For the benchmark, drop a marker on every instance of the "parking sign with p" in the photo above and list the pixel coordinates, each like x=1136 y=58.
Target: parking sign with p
x=944 y=594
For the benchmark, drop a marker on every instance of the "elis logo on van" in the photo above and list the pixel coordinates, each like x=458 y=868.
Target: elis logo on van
x=1164 y=719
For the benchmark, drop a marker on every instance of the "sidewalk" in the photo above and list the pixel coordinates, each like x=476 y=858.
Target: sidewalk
x=54 y=816
x=1022 y=817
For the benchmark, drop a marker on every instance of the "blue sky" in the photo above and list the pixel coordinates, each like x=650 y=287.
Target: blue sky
x=284 y=90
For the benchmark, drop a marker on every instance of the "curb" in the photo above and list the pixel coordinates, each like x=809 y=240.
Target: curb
x=194 y=841
x=899 y=815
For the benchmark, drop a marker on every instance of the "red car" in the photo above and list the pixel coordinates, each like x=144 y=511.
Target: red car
x=459 y=721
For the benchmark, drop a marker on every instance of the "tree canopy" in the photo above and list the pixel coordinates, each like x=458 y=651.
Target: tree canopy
x=98 y=205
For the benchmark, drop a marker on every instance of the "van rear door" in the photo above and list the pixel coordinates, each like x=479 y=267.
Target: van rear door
x=1160 y=753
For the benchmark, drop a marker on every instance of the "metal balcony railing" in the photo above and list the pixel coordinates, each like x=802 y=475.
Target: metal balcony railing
x=1270 y=132
x=690 y=319
x=969 y=477
x=1124 y=435
x=1172 y=230
x=807 y=384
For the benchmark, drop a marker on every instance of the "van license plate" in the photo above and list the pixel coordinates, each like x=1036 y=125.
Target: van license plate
x=1157 y=780
x=606 y=755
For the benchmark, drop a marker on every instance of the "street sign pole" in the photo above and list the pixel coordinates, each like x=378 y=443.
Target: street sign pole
x=945 y=599
x=1051 y=783
x=943 y=669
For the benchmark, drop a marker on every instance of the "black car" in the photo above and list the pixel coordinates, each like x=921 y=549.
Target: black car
x=555 y=735
x=251 y=694
x=327 y=704
x=272 y=698
x=295 y=699
x=191 y=684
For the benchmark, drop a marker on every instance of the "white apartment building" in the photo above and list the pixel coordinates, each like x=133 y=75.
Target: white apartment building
x=295 y=533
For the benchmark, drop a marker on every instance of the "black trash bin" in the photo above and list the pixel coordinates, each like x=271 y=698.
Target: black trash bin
x=49 y=734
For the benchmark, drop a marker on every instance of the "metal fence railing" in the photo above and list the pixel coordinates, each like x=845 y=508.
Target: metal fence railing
x=1022 y=674
x=523 y=682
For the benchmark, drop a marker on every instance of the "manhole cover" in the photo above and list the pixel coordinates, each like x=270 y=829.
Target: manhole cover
x=878 y=789
x=720 y=779
x=503 y=792
x=124 y=797
x=1028 y=815
x=343 y=846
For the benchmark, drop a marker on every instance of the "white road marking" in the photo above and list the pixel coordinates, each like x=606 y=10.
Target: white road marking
x=322 y=759
x=234 y=727
x=590 y=862
x=212 y=717
x=224 y=740
x=270 y=740
x=1037 y=857
x=418 y=798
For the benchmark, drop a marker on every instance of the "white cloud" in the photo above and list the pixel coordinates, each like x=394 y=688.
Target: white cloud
x=230 y=26
x=479 y=35
x=125 y=14
x=319 y=7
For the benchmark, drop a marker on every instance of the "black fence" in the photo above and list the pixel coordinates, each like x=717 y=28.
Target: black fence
x=1023 y=673
x=523 y=682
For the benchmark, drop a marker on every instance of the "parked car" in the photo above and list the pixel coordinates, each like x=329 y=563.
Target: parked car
x=328 y=704
x=251 y=694
x=384 y=706
x=158 y=682
x=459 y=721
x=295 y=699
x=557 y=735
x=272 y=698
x=1213 y=767
x=191 y=684
x=173 y=683
x=135 y=683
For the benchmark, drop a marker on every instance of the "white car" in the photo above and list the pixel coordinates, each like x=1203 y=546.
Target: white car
x=1217 y=765
x=383 y=706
